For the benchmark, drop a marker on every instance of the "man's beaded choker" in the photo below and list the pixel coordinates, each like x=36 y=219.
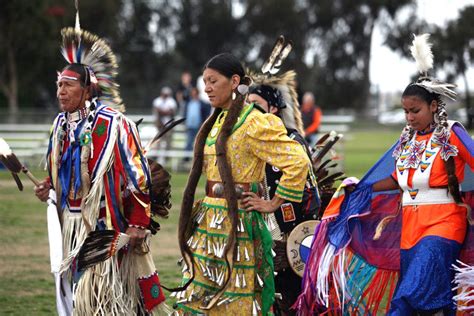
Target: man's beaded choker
x=78 y=115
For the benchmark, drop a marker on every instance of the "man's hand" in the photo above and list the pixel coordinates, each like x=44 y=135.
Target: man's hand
x=137 y=235
x=42 y=190
x=251 y=202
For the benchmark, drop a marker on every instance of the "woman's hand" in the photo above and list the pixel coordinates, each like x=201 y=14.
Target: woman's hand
x=251 y=202
x=42 y=190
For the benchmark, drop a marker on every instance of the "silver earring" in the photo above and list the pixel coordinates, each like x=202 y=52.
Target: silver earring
x=234 y=96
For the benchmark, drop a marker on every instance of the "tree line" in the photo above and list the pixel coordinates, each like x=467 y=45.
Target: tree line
x=155 y=40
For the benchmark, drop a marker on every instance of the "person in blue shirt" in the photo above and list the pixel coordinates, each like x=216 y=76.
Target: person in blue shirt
x=196 y=112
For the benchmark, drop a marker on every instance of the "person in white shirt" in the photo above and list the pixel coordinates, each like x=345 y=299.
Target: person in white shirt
x=164 y=108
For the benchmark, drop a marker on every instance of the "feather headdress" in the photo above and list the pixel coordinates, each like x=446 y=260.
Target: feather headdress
x=421 y=52
x=285 y=83
x=82 y=47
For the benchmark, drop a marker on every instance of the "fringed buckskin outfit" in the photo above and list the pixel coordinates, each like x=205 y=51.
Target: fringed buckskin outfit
x=256 y=139
x=102 y=180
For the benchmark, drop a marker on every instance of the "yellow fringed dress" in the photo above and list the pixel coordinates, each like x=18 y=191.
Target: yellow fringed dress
x=256 y=139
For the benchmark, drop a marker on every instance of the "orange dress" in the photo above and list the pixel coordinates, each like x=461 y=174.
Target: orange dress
x=433 y=225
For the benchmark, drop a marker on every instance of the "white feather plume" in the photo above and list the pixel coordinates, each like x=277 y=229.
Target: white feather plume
x=438 y=87
x=421 y=51
x=4 y=148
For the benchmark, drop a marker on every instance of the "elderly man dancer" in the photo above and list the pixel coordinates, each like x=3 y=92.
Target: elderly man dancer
x=101 y=178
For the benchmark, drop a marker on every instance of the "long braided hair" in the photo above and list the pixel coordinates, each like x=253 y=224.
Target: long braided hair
x=441 y=126
x=227 y=65
x=453 y=183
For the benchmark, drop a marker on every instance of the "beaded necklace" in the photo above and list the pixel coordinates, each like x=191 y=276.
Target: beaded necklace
x=212 y=137
x=218 y=124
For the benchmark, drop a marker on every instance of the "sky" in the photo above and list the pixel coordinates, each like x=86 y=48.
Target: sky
x=391 y=72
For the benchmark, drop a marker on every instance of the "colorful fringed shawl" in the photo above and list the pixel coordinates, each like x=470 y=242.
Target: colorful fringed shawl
x=347 y=271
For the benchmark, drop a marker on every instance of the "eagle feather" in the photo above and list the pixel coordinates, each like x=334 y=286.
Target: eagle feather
x=277 y=48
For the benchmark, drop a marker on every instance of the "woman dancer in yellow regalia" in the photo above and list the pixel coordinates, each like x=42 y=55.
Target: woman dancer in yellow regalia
x=227 y=249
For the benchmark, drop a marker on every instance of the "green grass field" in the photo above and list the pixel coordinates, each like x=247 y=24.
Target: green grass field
x=26 y=285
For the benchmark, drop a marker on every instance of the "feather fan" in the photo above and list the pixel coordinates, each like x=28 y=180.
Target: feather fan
x=4 y=148
x=11 y=162
x=326 y=176
x=99 y=246
x=160 y=194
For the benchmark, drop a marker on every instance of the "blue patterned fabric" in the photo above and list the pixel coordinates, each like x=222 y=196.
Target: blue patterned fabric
x=355 y=204
x=71 y=158
x=425 y=277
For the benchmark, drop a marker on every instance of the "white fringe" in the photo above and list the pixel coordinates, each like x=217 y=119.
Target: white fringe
x=339 y=276
x=100 y=291
x=74 y=232
x=324 y=270
x=107 y=289
x=110 y=289
x=464 y=281
x=331 y=266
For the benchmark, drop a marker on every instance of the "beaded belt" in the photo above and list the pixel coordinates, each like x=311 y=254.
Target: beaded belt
x=427 y=196
x=215 y=189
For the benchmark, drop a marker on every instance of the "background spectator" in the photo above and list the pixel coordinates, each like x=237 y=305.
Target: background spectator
x=196 y=112
x=311 y=114
x=183 y=92
x=164 y=108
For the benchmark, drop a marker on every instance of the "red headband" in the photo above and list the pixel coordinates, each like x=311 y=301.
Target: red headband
x=69 y=74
